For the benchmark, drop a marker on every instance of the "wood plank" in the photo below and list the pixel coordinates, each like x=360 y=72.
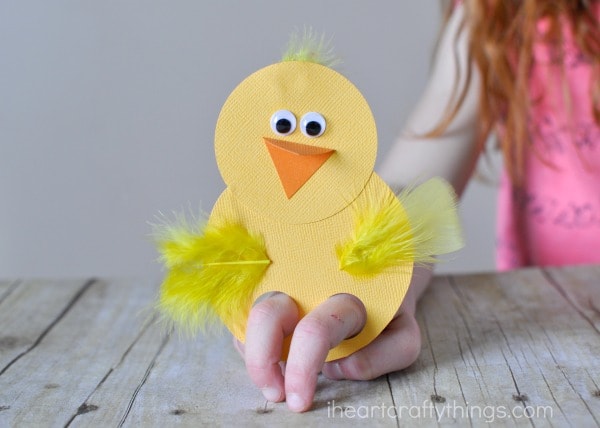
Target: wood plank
x=558 y=355
x=28 y=310
x=445 y=380
x=109 y=402
x=135 y=378
x=204 y=382
x=48 y=384
x=510 y=342
x=581 y=287
x=492 y=344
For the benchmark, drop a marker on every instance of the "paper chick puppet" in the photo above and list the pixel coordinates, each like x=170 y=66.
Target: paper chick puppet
x=303 y=212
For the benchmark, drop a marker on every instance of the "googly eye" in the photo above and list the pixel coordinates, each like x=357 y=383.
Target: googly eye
x=312 y=124
x=283 y=122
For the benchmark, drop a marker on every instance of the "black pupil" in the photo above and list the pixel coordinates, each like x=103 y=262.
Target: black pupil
x=283 y=126
x=313 y=128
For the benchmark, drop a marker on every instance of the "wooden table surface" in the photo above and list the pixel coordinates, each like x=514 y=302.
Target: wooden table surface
x=520 y=348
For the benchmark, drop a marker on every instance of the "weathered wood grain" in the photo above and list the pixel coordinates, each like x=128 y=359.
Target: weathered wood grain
x=204 y=383
x=164 y=381
x=522 y=342
x=96 y=323
x=581 y=287
x=505 y=344
x=28 y=311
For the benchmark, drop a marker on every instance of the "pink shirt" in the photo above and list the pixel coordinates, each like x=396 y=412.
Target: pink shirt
x=555 y=218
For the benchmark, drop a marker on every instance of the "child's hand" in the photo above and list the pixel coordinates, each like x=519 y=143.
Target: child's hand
x=338 y=318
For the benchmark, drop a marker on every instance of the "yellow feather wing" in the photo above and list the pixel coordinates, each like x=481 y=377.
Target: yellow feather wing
x=432 y=211
x=422 y=224
x=213 y=272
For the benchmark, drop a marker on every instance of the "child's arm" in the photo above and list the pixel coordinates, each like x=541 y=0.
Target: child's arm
x=451 y=156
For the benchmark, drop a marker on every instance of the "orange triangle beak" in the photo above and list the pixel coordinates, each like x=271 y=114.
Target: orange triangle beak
x=295 y=163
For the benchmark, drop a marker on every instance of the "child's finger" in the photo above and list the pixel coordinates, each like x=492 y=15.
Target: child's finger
x=270 y=320
x=396 y=348
x=339 y=317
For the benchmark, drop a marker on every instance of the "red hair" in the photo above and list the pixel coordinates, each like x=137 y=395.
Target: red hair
x=502 y=34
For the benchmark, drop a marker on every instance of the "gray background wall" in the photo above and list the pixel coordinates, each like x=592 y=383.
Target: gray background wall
x=107 y=112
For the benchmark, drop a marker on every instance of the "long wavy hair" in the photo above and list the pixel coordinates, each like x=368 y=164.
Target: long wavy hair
x=502 y=35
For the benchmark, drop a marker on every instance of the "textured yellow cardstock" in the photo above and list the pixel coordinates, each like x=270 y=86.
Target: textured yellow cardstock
x=298 y=87
x=305 y=266
x=301 y=232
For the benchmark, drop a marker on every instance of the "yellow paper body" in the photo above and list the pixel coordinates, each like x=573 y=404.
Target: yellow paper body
x=305 y=266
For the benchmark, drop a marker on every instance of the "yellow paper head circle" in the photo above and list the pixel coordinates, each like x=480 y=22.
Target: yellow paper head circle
x=245 y=126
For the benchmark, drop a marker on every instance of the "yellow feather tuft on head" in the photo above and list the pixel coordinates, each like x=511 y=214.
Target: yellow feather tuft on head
x=310 y=47
x=423 y=224
x=213 y=272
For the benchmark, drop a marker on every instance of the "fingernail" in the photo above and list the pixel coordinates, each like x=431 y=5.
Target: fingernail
x=271 y=394
x=295 y=402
